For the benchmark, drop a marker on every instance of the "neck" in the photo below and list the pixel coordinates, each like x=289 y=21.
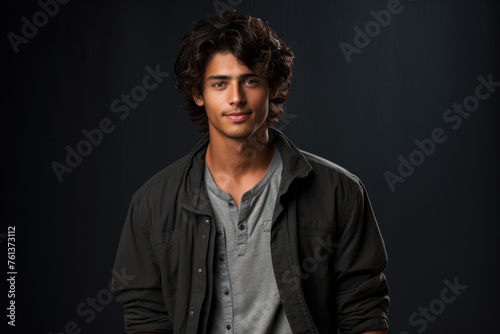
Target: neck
x=239 y=157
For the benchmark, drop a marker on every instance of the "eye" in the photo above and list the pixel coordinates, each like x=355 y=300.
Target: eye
x=218 y=84
x=250 y=82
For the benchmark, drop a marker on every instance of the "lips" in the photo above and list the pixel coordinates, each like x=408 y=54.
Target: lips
x=238 y=116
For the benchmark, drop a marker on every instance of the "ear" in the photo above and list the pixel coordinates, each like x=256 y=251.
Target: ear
x=274 y=89
x=197 y=97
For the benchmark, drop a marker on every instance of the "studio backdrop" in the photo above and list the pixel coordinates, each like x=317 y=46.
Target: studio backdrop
x=404 y=94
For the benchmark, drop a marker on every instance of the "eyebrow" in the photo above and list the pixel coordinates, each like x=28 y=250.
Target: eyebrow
x=228 y=77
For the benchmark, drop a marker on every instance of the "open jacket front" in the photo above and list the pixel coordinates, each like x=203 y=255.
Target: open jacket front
x=327 y=251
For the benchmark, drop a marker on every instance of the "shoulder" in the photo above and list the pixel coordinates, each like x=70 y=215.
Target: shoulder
x=159 y=184
x=334 y=186
x=326 y=170
x=166 y=183
x=319 y=170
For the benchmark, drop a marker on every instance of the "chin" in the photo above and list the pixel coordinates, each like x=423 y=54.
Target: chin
x=239 y=134
x=241 y=131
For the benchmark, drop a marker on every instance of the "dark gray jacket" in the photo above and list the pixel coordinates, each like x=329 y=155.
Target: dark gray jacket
x=327 y=251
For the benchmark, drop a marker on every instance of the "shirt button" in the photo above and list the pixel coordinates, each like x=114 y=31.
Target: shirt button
x=199 y=270
x=226 y=292
x=241 y=227
x=228 y=327
x=219 y=233
x=207 y=221
x=191 y=312
x=221 y=258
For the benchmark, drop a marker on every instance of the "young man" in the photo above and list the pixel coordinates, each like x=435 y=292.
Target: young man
x=248 y=234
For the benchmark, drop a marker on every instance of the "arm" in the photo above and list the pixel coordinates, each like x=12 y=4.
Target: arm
x=362 y=299
x=140 y=293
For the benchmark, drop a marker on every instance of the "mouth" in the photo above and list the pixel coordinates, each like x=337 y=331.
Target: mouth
x=238 y=116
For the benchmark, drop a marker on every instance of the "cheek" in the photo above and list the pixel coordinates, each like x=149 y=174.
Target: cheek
x=212 y=101
x=261 y=98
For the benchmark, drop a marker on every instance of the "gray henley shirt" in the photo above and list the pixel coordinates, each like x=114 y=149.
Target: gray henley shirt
x=246 y=297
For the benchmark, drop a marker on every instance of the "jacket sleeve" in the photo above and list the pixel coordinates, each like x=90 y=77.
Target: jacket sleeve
x=141 y=292
x=362 y=293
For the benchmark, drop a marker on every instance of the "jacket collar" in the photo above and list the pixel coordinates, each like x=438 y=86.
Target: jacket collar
x=193 y=193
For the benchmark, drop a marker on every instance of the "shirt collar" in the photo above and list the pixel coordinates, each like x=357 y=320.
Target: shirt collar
x=193 y=193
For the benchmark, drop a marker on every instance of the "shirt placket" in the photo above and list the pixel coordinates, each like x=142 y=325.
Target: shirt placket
x=224 y=281
x=240 y=219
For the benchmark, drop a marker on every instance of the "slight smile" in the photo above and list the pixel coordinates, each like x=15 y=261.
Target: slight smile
x=238 y=116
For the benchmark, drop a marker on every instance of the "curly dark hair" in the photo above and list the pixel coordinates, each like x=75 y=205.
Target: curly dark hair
x=250 y=40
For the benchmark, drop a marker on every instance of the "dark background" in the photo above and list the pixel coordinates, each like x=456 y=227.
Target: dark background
x=440 y=224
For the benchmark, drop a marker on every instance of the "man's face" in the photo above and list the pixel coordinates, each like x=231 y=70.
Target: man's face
x=235 y=98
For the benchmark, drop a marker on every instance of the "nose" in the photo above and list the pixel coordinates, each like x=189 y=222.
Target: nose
x=236 y=95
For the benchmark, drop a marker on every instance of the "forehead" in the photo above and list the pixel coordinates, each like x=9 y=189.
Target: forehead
x=225 y=63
